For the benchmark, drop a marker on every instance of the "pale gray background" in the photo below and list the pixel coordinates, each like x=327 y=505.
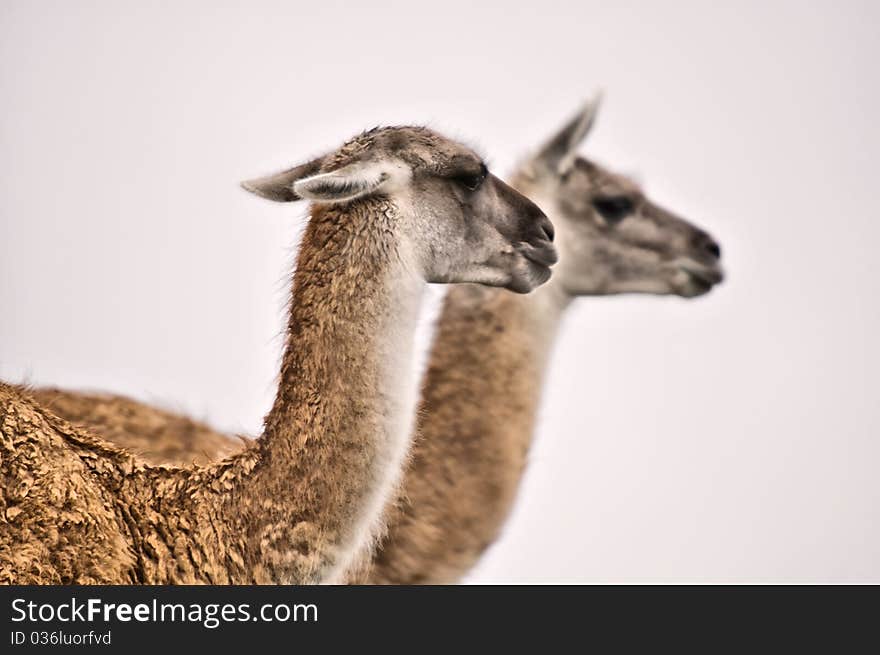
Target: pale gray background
x=731 y=438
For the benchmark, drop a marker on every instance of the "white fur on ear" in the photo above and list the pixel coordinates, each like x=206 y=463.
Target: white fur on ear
x=279 y=187
x=349 y=182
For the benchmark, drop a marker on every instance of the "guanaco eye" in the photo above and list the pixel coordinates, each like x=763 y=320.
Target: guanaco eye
x=472 y=181
x=613 y=208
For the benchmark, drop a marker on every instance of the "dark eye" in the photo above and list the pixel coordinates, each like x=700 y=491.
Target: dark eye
x=613 y=208
x=472 y=181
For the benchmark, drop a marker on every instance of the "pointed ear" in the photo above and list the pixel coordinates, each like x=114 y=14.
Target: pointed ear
x=347 y=183
x=279 y=187
x=560 y=152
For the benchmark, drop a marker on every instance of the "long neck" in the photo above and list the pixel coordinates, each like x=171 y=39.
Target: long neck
x=308 y=495
x=479 y=402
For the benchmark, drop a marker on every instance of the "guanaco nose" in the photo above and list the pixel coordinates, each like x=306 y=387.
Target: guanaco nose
x=708 y=246
x=547 y=228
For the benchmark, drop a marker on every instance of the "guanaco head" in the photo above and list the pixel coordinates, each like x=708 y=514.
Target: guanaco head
x=461 y=223
x=611 y=237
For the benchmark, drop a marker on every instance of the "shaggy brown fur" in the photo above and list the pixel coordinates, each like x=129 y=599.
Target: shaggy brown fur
x=155 y=435
x=466 y=465
x=79 y=510
x=295 y=505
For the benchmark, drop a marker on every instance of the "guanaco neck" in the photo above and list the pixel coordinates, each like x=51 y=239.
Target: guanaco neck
x=479 y=401
x=308 y=494
x=513 y=358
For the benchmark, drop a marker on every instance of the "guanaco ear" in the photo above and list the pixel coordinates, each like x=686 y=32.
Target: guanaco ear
x=347 y=183
x=560 y=152
x=279 y=187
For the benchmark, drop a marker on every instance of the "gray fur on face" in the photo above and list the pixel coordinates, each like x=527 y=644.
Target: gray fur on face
x=612 y=238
